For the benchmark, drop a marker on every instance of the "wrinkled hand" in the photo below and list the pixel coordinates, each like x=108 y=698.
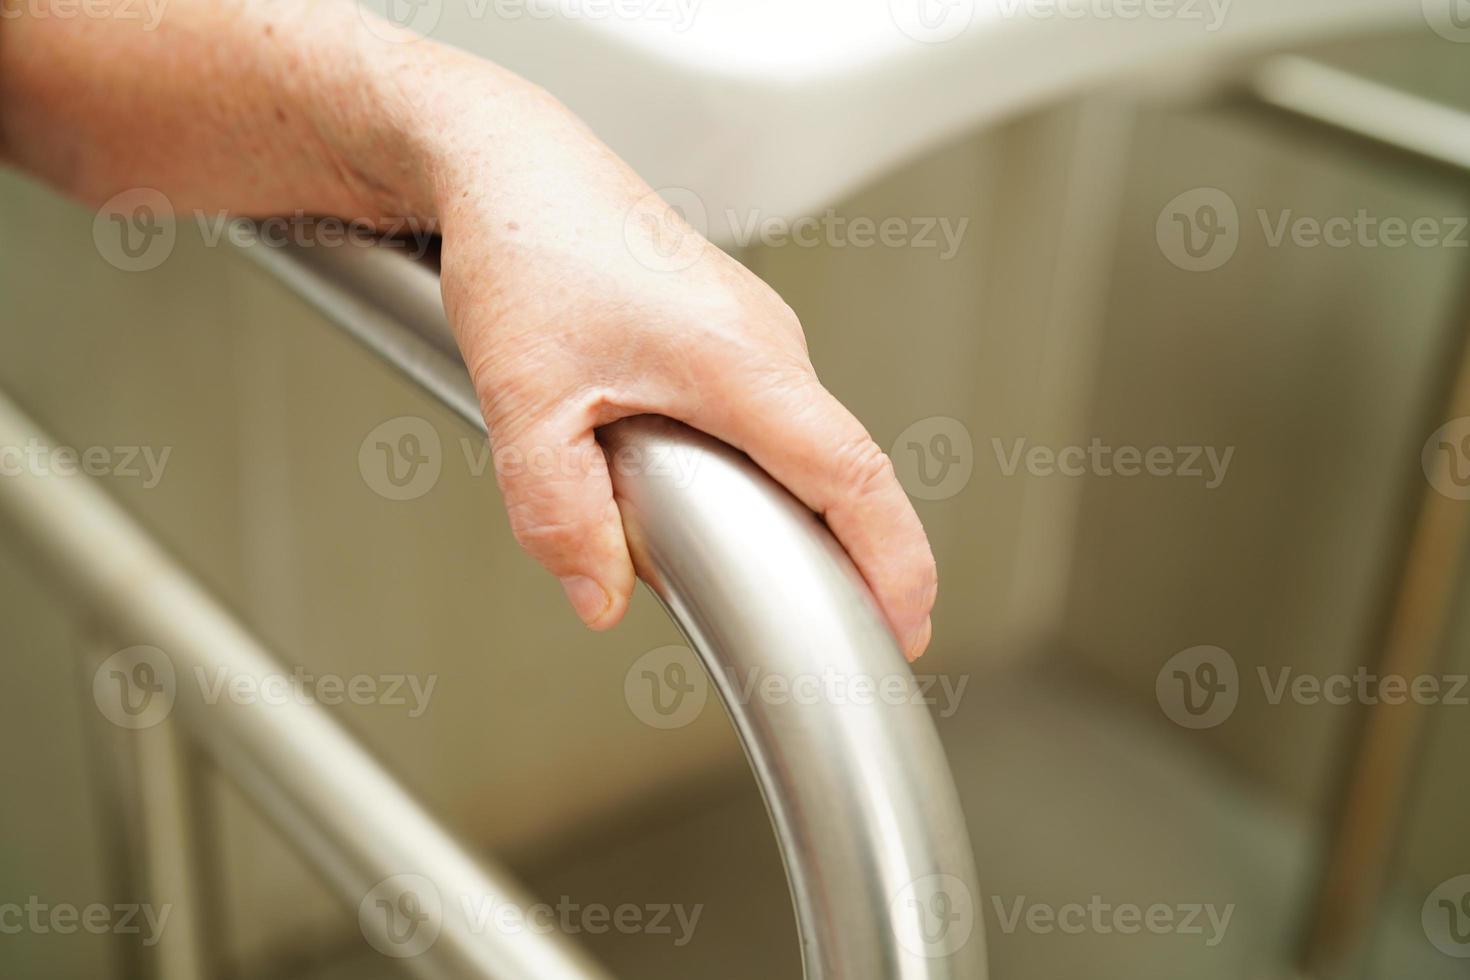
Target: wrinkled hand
x=580 y=298
x=577 y=298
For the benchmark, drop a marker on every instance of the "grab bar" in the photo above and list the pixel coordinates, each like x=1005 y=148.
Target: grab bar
x=864 y=806
x=368 y=837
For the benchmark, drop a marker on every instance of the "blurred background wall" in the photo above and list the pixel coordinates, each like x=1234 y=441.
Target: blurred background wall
x=1059 y=320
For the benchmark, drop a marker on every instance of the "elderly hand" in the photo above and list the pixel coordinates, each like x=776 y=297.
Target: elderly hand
x=577 y=296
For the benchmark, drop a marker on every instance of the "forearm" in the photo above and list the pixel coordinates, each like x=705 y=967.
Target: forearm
x=577 y=296
x=256 y=106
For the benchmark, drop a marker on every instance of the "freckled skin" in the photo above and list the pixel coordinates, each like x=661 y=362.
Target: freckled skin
x=276 y=106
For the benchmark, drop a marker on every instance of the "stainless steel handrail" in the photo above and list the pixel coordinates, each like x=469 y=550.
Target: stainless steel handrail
x=861 y=796
x=368 y=837
x=1351 y=104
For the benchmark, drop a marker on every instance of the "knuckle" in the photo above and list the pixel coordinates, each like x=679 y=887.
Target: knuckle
x=788 y=321
x=785 y=326
x=862 y=467
x=779 y=313
x=518 y=380
x=543 y=535
x=754 y=316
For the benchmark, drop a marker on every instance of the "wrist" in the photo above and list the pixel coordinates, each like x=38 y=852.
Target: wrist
x=373 y=96
x=444 y=125
x=487 y=151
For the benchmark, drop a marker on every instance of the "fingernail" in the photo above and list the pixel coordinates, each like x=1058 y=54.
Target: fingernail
x=918 y=641
x=589 y=599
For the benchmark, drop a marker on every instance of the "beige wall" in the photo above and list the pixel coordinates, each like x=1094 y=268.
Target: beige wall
x=1319 y=367
x=264 y=409
x=1058 y=320
x=528 y=739
x=51 y=830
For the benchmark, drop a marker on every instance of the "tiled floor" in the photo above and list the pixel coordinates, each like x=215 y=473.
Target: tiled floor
x=1071 y=801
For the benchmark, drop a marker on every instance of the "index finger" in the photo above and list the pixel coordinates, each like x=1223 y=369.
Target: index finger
x=808 y=441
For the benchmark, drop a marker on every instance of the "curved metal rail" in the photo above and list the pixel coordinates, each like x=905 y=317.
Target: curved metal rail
x=407 y=879
x=859 y=791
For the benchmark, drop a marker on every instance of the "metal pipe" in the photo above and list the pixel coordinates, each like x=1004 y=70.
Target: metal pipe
x=1418 y=135
x=1361 y=107
x=862 y=799
x=413 y=886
